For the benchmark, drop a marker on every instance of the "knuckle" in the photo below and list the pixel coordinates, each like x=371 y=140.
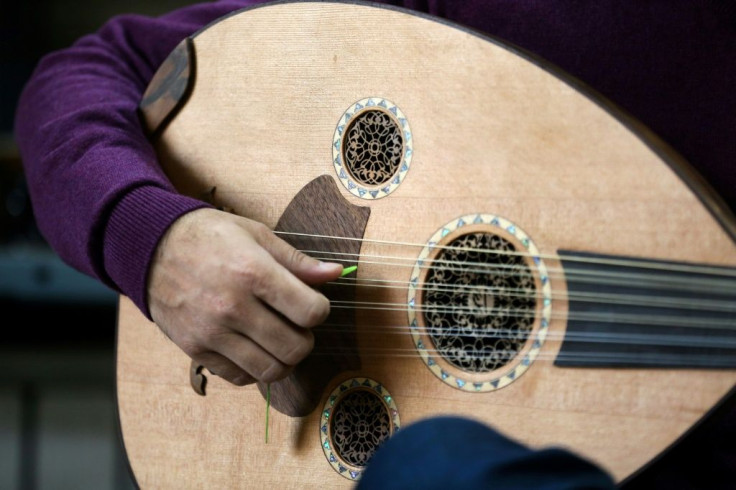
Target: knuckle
x=192 y=347
x=209 y=334
x=240 y=379
x=317 y=312
x=273 y=372
x=295 y=258
x=260 y=231
x=222 y=309
x=252 y=276
x=299 y=350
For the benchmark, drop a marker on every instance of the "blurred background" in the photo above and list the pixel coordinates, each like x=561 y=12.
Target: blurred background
x=58 y=422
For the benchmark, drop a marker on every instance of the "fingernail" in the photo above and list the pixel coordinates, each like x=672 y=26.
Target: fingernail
x=330 y=266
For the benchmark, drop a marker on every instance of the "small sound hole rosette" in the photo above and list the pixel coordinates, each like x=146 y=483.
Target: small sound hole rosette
x=372 y=148
x=359 y=415
x=479 y=303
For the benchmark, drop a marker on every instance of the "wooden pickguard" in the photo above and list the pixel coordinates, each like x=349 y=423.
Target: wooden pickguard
x=319 y=209
x=494 y=131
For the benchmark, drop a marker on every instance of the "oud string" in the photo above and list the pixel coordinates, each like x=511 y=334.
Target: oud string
x=674 y=302
x=603 y=317
x=612 y=278
x=716 y=280
x=663 y=282
x=504 y=333
x=667 y=340
x=661 y=339
x=621 y=262
x=654 y=359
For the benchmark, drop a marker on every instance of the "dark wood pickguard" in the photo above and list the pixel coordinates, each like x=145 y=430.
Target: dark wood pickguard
x=320 y=211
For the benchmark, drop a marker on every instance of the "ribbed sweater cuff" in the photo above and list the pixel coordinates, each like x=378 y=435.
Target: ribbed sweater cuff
x=134 y=229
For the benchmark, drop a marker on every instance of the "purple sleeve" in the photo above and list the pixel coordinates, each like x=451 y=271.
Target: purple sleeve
x=98 y=194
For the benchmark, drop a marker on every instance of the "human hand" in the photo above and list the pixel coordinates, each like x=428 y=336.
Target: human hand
x=235 y=297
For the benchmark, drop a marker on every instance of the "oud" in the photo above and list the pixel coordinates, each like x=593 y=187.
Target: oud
x=528 y=255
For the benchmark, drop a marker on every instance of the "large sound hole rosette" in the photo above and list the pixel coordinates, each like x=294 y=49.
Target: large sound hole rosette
x=479 y=303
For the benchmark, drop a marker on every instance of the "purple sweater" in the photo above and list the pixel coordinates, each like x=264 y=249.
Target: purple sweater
x=103 y=203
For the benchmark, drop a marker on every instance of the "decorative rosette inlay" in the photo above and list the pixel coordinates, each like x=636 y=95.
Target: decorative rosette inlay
x=358 y=416
x=372 y=148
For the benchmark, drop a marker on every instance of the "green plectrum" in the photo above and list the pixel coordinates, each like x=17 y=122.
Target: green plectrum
x=348 y=270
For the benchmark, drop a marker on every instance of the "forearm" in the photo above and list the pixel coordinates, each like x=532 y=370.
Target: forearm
x=98 y=193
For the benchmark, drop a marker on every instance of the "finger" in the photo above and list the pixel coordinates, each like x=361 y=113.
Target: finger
x=251 y=358
x=289 y=344
x=224 y=368
x=277 y=287
x=306 y=268
x=285 y=293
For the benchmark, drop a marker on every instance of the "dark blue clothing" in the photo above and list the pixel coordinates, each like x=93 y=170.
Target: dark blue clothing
x=451 y=452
